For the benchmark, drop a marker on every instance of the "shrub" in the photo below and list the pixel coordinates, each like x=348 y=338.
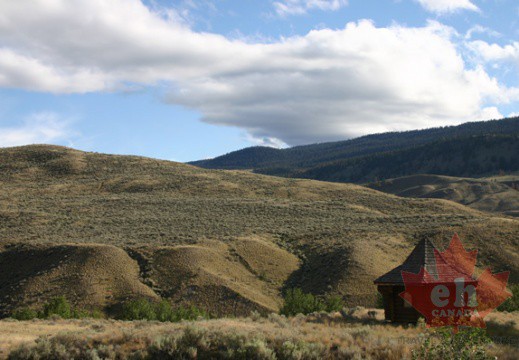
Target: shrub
x=25 y=314
x=164 y=311
x=144 y=309
x=189 y=313
x=469 y=343
x=58 y=306
x=297 y=302
x=203 y=344
x=83 y=314
x=300 y=350
x=333 y=303
x=511 y=304
x=70 y=346
x=141 y=309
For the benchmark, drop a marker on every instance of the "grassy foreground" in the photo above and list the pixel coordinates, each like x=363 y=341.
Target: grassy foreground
x=350 y=334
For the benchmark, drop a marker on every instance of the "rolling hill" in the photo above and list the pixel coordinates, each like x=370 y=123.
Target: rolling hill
x=472 y=149
x=497 y=194
x=101 y=229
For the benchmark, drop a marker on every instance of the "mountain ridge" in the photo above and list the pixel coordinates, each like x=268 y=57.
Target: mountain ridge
x=305 y=161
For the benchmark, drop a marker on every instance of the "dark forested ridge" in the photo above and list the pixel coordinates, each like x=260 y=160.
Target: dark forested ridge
x=472 y=149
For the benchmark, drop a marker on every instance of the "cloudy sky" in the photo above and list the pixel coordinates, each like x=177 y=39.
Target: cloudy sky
x=190 y=79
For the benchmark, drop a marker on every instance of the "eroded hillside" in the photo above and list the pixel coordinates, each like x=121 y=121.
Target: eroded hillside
x=499 y=194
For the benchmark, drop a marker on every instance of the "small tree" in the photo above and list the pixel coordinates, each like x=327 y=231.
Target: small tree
x=24 y=314
x=141 y=309
x=297 y=302
x=58 y=306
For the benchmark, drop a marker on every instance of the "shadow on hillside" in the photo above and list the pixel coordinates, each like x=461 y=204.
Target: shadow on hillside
x=321 y=271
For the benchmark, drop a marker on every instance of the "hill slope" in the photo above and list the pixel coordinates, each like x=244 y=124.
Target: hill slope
x=481 y=194
x=346 y=161
x=199 y=235
x=468 y=157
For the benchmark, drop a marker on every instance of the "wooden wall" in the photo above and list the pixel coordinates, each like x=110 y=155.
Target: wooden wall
x=394 y=306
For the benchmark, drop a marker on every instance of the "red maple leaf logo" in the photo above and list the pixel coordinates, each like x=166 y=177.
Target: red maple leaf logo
x=452 y=296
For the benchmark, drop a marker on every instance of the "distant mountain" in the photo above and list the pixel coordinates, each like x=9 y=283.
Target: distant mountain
x=446 y=151
x=498 y=194
x=468 y=157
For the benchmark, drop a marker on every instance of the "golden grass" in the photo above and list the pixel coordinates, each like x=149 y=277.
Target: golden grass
x=353 y=334
x=490 y=194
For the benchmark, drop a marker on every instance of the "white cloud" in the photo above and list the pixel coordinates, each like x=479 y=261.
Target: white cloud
x=329 y=85
x=447 y=6
x=326 y=85
x=298 y=7
x=495 y=52
x=478 y=29
x=38 y=128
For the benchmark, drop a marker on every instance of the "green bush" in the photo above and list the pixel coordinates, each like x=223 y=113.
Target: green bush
x=141 y=309
x=443 y=343
x=83 y=314
x=189 y=313
x=164 y=311
x=298 y=302
x=144 y=309
x=58 y=306
x=511 y=304
x=333 y=303
x=25 y=314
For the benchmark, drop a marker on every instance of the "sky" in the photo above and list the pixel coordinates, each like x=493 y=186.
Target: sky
x=193 y=79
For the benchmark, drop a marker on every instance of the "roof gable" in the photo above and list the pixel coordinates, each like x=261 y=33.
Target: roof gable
x=422 y=256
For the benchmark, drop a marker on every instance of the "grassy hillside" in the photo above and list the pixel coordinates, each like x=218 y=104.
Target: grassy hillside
x=497 y=194
x=103 y=228
x=374 y=156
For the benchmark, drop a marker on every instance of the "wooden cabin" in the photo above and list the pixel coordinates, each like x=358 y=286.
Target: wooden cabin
x=391 y=284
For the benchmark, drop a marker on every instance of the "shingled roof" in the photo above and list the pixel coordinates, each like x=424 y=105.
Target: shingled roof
x=422 y=256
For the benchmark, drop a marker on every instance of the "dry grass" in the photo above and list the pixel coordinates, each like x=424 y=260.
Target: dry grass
x=236 y=235
x=355 y=334
x=493 y=194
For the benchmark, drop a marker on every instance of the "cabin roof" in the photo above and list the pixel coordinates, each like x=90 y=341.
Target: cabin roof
x=421 y=256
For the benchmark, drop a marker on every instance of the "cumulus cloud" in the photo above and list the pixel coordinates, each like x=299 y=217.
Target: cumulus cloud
x=38 y=128
x=447 y=6
x=298 y=7
x=326 y=85
x=330 y=84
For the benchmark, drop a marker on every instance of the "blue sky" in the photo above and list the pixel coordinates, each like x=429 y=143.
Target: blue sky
x=186 y=80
